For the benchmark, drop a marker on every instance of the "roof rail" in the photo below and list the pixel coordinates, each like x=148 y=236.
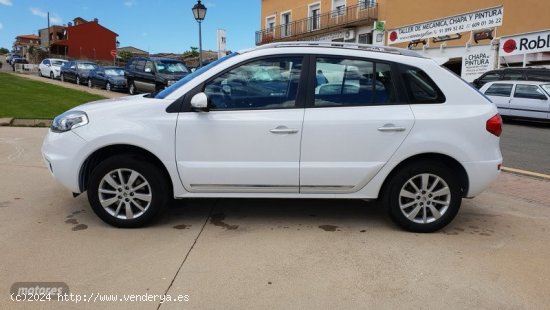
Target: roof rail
x=348 y=45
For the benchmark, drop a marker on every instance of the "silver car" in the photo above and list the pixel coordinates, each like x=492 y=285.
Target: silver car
x=520 y=99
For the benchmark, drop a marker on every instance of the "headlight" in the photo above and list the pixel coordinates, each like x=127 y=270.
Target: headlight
x=69 y=120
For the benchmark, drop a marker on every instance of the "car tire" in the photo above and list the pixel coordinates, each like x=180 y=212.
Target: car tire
x=77 y=80
x=116 y=202
x=52 y=76
x=90 y=84
x=132 y=88
x=423 y=196
x=108 y=86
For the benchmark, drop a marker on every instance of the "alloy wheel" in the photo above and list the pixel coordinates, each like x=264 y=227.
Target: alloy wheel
x=424 y=198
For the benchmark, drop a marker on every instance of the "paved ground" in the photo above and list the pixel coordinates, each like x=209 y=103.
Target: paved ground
x=526 y=145
x=234 y=253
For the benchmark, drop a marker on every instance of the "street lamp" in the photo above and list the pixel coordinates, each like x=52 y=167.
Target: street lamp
x=199 y=11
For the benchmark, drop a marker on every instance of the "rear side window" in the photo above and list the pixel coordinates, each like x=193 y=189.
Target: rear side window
x=420 y=87
x=352 y=82
x=539 y=76
x=511 y=76
x=489 y=77
x=140 y=65
x=498 y=89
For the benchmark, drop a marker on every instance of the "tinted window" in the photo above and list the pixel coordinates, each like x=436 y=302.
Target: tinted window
x=46 y=62
x=420 y=87
x=351 y=82
x=149 y=65
x=262 y=84
x=490 y=77
x=529 y=92
x=539 y=76
x=511 y=75
x=140 y=65
x=170 y=66
x=503 y=90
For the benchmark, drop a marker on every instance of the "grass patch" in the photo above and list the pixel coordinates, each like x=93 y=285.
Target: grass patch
x=23 y=98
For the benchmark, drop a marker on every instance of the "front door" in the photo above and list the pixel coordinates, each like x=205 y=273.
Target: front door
x=529 y=101
x=249 y=141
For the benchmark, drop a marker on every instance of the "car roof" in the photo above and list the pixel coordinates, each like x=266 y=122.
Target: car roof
x=517 y=82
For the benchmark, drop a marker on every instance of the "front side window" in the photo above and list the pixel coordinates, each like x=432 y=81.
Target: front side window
x=420 y=87
x=352 y=82
x=538 y=76
x=529 y=92
x=498 y=89
x=168 y=66
x=262 y=84
x=149 y=67
x=114 y=72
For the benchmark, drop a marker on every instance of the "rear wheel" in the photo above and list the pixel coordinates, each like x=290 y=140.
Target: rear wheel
x=127 y=192
x=132 y=88
x=423 y=196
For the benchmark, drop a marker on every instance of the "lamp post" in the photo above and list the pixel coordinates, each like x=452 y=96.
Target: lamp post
x=199 y=12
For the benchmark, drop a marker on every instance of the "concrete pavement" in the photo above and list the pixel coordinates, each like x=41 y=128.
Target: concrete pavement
x=260 y=253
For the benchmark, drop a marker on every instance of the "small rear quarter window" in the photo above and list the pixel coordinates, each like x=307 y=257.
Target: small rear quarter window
x=420 y=87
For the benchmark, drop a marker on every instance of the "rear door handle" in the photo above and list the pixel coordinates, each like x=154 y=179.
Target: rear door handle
x=391 y=128
x=283 y=130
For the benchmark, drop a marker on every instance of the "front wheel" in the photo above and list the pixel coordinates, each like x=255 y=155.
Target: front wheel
x=52 y=76
x=108 y=86
x=77 y=80
x=423 y=196
x=62 y=77
x=132 y=88
x=127 y=192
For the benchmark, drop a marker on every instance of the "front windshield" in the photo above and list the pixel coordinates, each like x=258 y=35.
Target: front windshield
x=57 y=63
x=163 y=94
x=114 y=72
x=166 y=66
x=86 y=66
x=546 y=88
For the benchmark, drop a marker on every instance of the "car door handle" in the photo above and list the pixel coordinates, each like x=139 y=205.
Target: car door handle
x=283 y=130
x=391 y=128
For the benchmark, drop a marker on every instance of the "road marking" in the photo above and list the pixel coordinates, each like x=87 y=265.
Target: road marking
x=525 y=172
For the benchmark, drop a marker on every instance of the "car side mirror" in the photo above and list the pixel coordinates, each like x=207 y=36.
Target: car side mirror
x=199 y=103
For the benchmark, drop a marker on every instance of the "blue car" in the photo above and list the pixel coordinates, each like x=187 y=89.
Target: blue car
x=109 y=78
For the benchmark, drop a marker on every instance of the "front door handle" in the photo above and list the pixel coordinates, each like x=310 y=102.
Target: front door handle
x=283 y=130
x=391 y=128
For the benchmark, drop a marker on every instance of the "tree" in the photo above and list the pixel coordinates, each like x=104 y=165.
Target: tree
x=4 y=50
x=194 y=52
x=125 y=55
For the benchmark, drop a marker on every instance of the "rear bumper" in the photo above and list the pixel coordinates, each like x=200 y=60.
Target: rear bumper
x=481 y=175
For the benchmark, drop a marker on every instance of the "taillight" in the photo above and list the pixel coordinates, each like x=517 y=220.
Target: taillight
x=494 y=125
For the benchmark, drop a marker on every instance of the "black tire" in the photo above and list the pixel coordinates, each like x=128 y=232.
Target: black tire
x=132 y=88
x=52 y=76
x=157 y=188
x=433 y=211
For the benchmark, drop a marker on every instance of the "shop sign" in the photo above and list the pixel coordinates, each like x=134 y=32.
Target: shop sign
x=486 y=18
x=533 y=42
x=476 y=63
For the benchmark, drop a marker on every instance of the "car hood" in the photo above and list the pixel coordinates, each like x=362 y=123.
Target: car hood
x=122 y=105
x=116 y=78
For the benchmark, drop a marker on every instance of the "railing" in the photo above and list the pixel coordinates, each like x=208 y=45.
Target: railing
x=347 y=16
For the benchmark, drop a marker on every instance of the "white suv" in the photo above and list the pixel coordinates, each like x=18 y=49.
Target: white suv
x=287 y=120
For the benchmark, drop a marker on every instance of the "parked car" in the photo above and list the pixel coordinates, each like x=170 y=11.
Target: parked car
x=10 y=57
x=427 y=143
x=149 y=74
x=516 y=74
x=16 y=61
x=77 y=71
x=51 y=67
x=520 y=99
x=110 y=78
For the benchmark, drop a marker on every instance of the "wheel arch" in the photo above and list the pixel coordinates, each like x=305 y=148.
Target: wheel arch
x=446 y=160
x=105 y=152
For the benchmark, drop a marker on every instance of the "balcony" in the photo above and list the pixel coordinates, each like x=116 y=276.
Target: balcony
x=349 y=16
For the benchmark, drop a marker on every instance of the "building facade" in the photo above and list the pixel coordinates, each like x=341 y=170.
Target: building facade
x=24 y=43
x=462 y=31
x=80 y=39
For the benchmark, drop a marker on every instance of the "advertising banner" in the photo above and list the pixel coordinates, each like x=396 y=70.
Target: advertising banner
x=533 y=42
x=476 y=63
x=486 y=18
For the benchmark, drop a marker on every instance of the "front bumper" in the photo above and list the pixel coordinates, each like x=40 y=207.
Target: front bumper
x=61 y=153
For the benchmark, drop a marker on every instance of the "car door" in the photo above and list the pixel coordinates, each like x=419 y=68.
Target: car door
x=500 y=95
x=145 y=78
x=249 y=141
x=71 y=71
x=353 y=124
x=529 y=101
x=139 y=75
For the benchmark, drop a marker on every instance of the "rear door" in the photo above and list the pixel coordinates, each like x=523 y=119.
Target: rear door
x=354 y=122
x=500 y=95
x=529 y=101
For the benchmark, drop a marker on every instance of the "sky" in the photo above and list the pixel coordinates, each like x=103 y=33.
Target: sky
x=151 y=25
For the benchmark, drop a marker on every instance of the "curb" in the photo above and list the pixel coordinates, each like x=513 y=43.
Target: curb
x=537 y=175
x=24 y=122
x=6 y=121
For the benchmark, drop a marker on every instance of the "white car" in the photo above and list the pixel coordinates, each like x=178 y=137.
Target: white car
x=51 y=67
x=520 y=99
x=420 y=141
